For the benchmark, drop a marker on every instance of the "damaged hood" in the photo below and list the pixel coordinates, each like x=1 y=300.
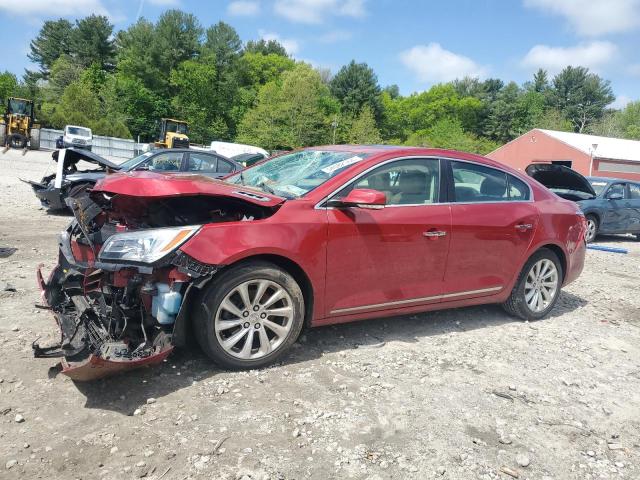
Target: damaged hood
x=155 y=185
x=72 y=156
x=559 y=177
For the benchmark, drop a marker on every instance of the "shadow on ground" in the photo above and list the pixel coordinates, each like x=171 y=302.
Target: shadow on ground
x=126 y=392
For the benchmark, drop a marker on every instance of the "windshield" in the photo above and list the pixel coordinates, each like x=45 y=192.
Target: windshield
x=81 y=132
x=598 y=186
x=177 y=128
x=129 y=164
x=295 y=174
x=20 y=107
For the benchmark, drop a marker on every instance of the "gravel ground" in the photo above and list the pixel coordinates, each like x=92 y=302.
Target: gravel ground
x=460 y=394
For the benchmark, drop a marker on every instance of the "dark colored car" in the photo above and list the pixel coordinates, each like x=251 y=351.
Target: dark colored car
x=610 y=205
x=315 y=237
x=69 y=181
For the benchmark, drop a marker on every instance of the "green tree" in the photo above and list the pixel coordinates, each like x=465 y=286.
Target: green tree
x=290 y=112
x=197 y=100
x=92 y=42
x=448 y=133
x=177 y=39
x=363 y=129
x=265 y=47
x=356 y=85
x=8 y=86
x=138 y=55
x=628 y=121
x=64 y=71
x=540 y=82
x=581 y=96
x=223 y=42
x=54 y=39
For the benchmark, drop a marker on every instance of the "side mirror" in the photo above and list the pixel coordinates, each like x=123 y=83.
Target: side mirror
x=615 y=196
x=361 y=198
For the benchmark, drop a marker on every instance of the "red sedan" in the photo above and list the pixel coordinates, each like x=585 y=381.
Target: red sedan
x=314 y=237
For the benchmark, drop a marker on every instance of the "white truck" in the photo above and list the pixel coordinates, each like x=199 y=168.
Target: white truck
x=77 y=137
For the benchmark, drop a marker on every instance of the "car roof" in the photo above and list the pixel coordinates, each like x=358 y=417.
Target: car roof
x=400 y=150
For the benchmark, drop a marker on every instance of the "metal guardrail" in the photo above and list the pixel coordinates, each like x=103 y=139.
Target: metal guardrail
x=104 y=146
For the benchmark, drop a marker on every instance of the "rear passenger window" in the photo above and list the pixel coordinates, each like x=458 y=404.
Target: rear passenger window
x=475 y=183
x=224 y=167
x=518 y=190
x=634 y=191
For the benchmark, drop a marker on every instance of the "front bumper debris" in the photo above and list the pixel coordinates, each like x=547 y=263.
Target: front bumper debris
x=87 y=349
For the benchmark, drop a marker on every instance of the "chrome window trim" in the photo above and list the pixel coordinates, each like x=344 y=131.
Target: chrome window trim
x=414 y=300
x=318 y=205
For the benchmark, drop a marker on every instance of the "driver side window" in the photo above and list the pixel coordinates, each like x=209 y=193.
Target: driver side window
x=163 y=162
x=616 y=189
x=404 y=182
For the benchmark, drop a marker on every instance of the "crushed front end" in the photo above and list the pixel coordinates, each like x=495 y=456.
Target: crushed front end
x=116 y=311
x=123 y=290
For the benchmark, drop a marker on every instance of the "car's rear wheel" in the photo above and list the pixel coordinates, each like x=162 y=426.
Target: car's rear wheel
x=250 y=316
x=592 y=228
x=538 y=287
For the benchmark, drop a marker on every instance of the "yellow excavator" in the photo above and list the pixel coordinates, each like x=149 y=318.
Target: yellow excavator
x=173 y=134
x=17 y=125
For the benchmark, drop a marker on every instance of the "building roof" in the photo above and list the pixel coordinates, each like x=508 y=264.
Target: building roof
x=607 y=147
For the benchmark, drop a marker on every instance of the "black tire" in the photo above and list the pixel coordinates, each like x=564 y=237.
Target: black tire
x=18 y=141
x=34 y=141
x=592 y=232
x=214 y=294
x=516 y=305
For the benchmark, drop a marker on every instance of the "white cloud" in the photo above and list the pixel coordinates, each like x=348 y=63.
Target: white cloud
x=335 y=36
x=290 y=45
x=244 y=8
x=59 y=8
x=164 y=3
x=620 y=102
x=433 y=64
x=594 y=55
x=593 y=17
x=316 y=11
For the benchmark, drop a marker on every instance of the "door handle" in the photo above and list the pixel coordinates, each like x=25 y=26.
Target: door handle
x=434 y=233
x=523 y=227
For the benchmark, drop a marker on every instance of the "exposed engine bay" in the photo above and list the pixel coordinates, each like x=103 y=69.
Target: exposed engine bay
x=115 y=313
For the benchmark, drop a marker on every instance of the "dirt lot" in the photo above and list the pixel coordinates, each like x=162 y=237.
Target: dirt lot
x=463 y=394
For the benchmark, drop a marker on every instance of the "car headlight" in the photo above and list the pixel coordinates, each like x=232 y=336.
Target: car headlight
x=145 y=246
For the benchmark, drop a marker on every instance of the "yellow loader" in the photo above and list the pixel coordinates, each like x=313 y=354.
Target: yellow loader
x=173 y=134
x=17 y=125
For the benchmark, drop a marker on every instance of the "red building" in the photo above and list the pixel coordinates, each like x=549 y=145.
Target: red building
x=590 y=155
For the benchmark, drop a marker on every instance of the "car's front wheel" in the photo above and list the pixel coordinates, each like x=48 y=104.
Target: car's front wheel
x=250 y=315
x=592 y=228
x=537 y=288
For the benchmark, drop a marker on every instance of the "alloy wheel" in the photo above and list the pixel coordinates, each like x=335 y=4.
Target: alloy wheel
x=541 y=286
x=254 y=319
x=591 y=229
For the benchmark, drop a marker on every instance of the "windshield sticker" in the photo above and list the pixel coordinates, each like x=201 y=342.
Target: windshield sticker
x=344 y=163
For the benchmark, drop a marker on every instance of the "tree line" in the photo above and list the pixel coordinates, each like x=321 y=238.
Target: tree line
x=120 y=84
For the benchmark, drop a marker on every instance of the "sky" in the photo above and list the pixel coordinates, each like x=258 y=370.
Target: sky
x=413 y=44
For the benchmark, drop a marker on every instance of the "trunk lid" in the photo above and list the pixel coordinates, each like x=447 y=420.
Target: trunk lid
x=157 y=185
x=560 y=179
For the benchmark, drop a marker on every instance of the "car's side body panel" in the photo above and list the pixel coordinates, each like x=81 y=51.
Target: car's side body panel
x=297 y=232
